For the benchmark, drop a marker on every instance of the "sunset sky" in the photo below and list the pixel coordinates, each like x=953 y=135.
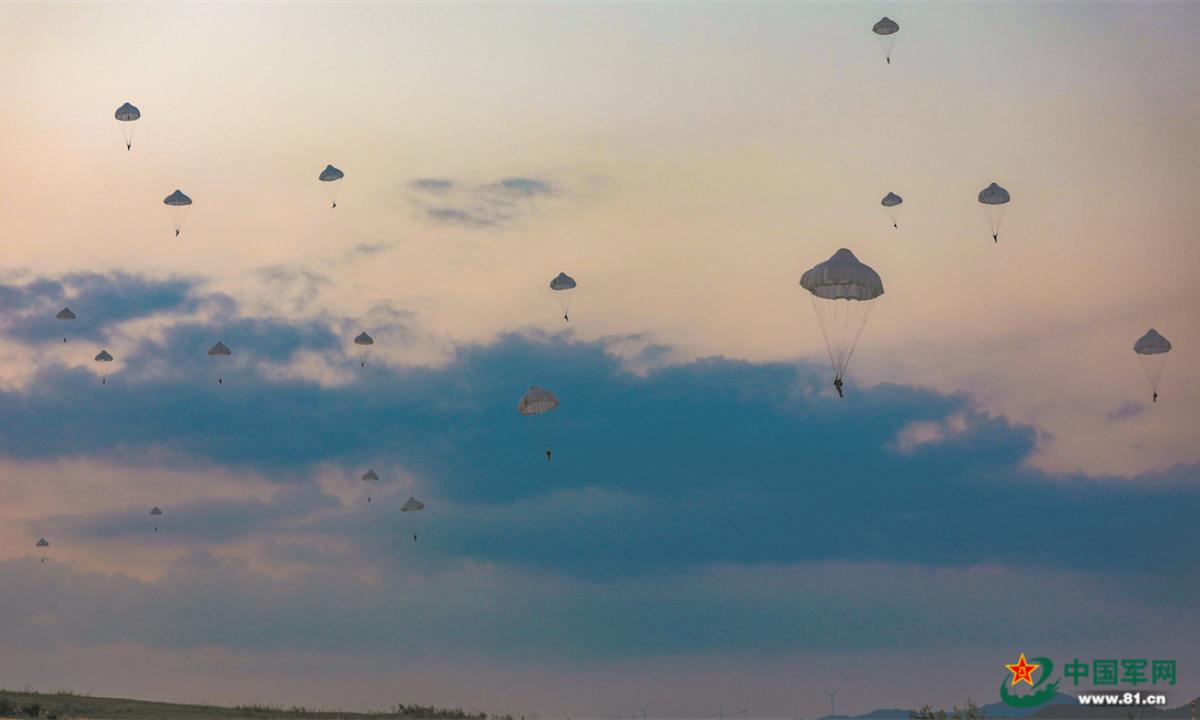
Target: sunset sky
x=716 y=529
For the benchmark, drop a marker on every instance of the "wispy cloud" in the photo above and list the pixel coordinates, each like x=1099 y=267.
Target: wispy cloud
x=478 y=206
x=1127 y=410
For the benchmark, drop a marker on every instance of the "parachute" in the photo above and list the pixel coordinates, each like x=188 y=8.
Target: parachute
x=1152 y=350
x=330 y=176
x=891 y=202
x=104 y=357
x=177 y=203
x=536 y=402
x=563 y=287
x=218 y=350
x=364 y=341
x=42 y=543
x=843 y=291
x=413 y=505
x=886 y=30
x=128 y=115
x=156 y=512
x=370 y=476
x=994 y=198
x=65 y=314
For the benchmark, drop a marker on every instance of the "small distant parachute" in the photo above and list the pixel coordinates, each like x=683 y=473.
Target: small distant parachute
x=891 y=203
x=330 y=176
x=370 y=476
x=413 y=505
x=42 y=543
x=994 y=198
x=537 y=402
x=364 y=341
x=563 y=287
x=177 y=203
x=886 y=29
x=843 y=291
x=216 y=351
x=65 y=314
x=104 y=357
x=1152 y=350
x=156 y=512
x=128 y=115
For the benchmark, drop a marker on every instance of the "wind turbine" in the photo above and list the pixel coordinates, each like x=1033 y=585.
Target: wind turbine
x=618 y=715
x=744 y=712
x=643 y=709
x=720 y=714
x=831 y=694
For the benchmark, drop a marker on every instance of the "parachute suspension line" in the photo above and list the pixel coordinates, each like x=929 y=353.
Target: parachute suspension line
x=1153 y=365
x=995 y=214
x=842 y=322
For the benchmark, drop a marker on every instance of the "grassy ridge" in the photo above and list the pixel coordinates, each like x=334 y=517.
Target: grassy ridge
x=67 y=705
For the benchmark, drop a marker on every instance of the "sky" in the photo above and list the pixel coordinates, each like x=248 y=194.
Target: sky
x=717 y=531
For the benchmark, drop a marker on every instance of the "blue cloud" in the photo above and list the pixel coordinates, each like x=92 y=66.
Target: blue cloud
x=98 y=301
x=715 y=460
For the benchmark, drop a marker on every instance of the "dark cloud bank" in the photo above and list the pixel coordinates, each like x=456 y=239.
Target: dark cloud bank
x=711 y=461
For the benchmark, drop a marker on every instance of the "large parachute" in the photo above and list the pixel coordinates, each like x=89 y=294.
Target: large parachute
x=563 y=287
x=329 y=178
x=886 y=29
x=65 y=314
x=891 y=203
x=994 y=198
x=364 y=341
x=537 y=402
x=1152 y=350
x=370 y=476
x=104 y=357
x=843 y=291
x=412 y=506
x=177 y=203
x=128 y=115
x=219 y=350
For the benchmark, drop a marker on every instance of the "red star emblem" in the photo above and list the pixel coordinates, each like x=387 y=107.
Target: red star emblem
x=1022 y=671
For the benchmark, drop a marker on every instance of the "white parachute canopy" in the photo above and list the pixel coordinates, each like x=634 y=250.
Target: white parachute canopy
x=563 y=287
x=65 y=314
x=886 y=30
x=329 y=178
x=1152 y=350
x=177 y=203
x=891 y=203
x=128 y=115
x=370 y=476
x=537 y=401
x=994 y=198
x=364 y=341
x=843 y=291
